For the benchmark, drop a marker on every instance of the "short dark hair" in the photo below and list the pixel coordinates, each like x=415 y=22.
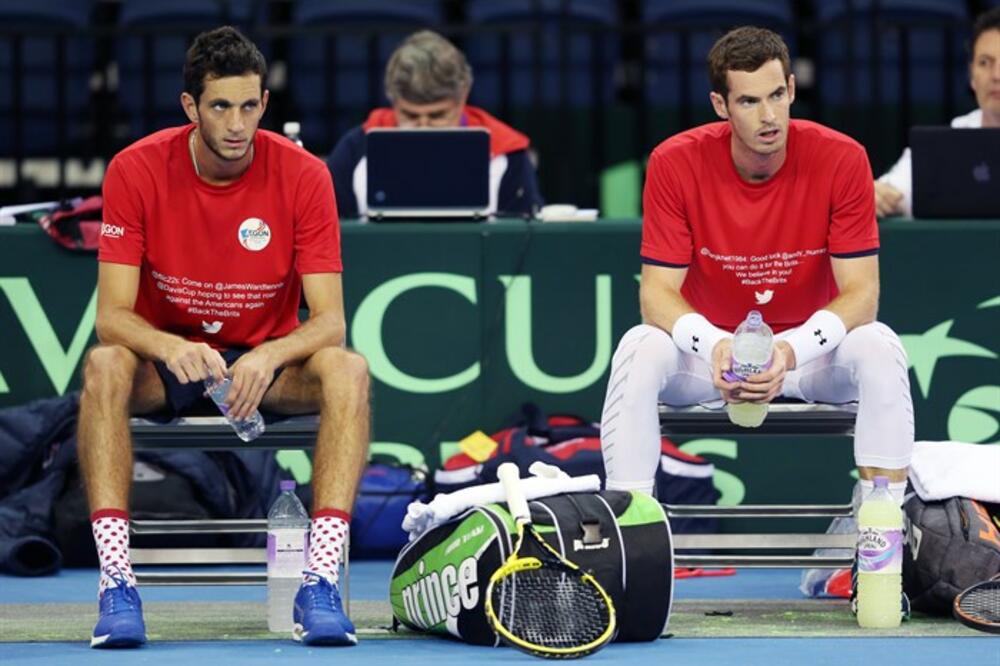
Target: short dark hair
x=745 y=49
x=219 y=53
x=986 y=21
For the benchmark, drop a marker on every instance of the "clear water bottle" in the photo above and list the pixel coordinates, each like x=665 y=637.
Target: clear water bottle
x=248 y=429
x=753 y=345
x=880 y=559
x=292 y=130
x=287 y=547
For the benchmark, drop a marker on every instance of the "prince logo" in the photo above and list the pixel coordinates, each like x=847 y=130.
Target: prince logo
x=819 y=334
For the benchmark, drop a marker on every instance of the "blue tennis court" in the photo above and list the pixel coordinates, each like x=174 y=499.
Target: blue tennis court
x=369 y=583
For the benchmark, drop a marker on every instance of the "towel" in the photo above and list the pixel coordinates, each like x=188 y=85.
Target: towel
x=547 y=480
x=939 y=470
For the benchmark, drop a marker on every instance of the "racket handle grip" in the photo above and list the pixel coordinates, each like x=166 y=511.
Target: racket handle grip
x=510 y=479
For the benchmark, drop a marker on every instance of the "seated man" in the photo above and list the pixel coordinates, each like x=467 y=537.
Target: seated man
x=428 y=80
x=212 y=231
x=758 y=212
x=894 y=189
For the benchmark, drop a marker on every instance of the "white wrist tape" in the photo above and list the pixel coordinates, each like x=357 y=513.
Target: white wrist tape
x=693 y=334
x=819 y=335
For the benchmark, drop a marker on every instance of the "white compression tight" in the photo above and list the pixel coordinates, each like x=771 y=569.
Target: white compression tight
x=868 y=366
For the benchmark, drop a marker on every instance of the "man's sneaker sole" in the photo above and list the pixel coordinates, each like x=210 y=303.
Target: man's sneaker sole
x=300 y=635
x=109 y=641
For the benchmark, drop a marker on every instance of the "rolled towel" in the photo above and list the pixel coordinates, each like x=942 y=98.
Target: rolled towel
x=939 y=470
x=421 y=517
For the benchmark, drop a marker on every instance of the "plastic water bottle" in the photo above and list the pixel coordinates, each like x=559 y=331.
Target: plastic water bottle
x=287 y=547
x=753 y=346
x=880 y=559
x=292 y=130
x=248 y=429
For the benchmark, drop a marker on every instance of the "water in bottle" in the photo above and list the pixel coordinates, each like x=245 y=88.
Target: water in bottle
x=287 y=547
x=292 y=130
x=880 y=559
x=753 y=345
x=248 y=429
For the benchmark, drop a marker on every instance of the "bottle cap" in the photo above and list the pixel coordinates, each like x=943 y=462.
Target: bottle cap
x=881 y=481
x=754 y=319
x=291 y=127
x=287 y=485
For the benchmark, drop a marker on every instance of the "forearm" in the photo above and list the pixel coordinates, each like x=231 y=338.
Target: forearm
x=319 y=331
x=855 y=307
x=663 y=308
x=121 y=326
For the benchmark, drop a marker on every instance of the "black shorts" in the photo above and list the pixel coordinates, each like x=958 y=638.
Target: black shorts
x=190 y=399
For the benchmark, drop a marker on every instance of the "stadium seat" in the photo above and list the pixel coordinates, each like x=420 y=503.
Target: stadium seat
x=335 y=74
x=532 y=32
x=681 y=33
x=923 y=32
x=49 y=83
x=150 y=57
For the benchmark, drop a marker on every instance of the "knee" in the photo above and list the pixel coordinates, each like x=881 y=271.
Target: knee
x=342 y=370
x=109 y=368
x=875 y=350
x=651 y=344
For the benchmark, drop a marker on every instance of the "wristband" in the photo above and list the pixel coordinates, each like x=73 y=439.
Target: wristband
x=693 y=334
x=819 y=335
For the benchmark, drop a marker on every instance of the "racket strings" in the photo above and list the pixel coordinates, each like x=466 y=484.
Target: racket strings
x=982 y=603
x=551 y=608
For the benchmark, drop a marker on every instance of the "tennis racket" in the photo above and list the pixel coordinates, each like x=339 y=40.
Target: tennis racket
x=538 y=601
x=979 y=606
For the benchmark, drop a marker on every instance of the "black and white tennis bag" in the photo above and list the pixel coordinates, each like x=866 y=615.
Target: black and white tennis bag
x=439 y=580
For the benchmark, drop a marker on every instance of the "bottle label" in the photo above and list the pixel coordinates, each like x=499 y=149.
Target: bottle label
x=740 y=371
x=286 y=552
x=880 y=550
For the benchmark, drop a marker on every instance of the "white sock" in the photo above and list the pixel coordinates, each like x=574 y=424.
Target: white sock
x=327 y=533
x=896 y=488
x=110 y=528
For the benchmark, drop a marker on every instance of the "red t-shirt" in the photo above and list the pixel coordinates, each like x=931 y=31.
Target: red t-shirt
x=763 y=246
x=221 y=265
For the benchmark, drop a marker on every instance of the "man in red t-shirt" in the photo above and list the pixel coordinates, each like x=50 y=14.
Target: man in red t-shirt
x=758 y=212
x=212 y=232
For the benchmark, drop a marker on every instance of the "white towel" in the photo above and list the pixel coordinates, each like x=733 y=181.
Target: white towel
x=939 y=470
x=548 y=480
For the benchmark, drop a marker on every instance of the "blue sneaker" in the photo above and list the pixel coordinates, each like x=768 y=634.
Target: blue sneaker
x=319 y=616
x=119 y=623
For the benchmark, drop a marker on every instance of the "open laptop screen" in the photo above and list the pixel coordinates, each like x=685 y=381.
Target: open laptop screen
x=428 y=172
x=956 y=172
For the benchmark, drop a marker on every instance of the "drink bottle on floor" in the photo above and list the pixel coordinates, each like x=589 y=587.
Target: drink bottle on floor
x=287 y=537
x=880 y=559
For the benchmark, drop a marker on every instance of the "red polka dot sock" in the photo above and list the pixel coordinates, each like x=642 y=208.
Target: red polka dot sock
x=110 y=528
x=327 y=533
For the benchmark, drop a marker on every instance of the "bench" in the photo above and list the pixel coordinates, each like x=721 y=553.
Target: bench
x=785 y=418
x=213 y=433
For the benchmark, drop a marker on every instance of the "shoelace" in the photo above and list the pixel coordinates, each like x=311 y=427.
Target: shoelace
x=128 y=595
x=323 y=594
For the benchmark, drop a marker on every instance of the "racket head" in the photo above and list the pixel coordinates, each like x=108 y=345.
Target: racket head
x=538 y=601
x=978 y=607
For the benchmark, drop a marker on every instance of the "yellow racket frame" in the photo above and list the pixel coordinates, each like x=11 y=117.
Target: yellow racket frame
x=517 y=563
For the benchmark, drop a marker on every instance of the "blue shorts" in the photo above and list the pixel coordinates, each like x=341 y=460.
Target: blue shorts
x=190 y=399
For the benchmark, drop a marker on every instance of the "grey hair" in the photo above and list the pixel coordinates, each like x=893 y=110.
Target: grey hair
x=427 y=68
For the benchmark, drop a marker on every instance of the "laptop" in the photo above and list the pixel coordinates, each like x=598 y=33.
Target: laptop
x=956 y=172
x=428 y=173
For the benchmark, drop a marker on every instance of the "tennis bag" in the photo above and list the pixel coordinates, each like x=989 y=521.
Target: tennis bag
x=623 y=538
x=953 y=544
